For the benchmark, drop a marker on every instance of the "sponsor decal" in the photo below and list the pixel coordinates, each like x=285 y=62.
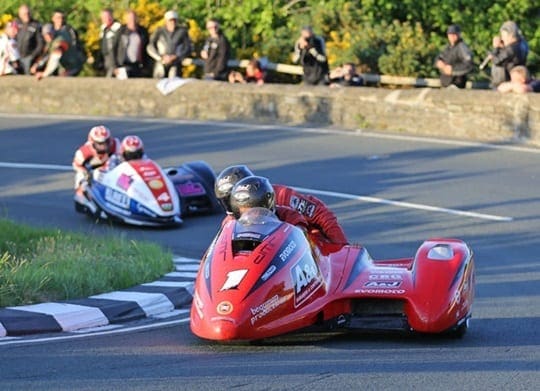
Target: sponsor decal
x=302 y=206
x=156 y=184
x=167 y=206
x=381 y=291
x=294 y=202
x=287 y=251
x=241 y=196
x=233 y=279
x=268 y=273
x=116 y=198
x=393 y=276
x=124 y=182
x=267 y=307
x=310 y=210
x=382 y=284
x=191 y=189
x=306 y=279
x=164 y=197
x=224 y=308
x=249 y=235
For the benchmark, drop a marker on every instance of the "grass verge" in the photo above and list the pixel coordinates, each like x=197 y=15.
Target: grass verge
x=39 y=265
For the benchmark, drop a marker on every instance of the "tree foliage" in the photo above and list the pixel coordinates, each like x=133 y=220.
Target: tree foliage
x=382 y=36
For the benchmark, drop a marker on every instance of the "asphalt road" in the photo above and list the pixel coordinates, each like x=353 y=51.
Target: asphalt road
x=501 y=350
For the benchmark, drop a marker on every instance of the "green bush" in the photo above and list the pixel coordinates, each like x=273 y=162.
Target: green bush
x=397 y=37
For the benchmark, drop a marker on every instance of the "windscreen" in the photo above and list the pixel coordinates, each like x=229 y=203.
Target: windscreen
x=253 y=227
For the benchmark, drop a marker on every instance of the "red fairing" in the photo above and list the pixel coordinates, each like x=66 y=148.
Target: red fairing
x=262 y=277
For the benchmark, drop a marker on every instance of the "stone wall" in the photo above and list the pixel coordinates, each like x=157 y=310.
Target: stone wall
x=465 y=114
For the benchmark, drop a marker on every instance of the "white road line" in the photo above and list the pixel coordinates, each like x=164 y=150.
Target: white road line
x=150 y=303
x=170 y=284
x=346 y=132
x=69 y=316
x=108 y=332
x=185 y=260
x=408 y=205
x=187 y=268
x=180 y=274
x=32 y=166
x=3 y=331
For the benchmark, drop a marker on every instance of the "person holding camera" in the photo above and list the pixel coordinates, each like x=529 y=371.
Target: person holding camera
x=509 y=50
x=455 y=61
x=310 y=52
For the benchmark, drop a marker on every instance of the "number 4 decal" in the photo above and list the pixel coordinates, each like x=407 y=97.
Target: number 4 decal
x=233 y=279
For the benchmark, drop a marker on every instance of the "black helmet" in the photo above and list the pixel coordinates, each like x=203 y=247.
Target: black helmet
x=252 y=192
x=225 y=182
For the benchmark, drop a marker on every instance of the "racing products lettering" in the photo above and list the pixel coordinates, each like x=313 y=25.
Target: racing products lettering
x=265 y=308
x=287 y=251
x=381 y=291
x=233 y=279
x=383 y=284
x=116 y=198
x=306 y=279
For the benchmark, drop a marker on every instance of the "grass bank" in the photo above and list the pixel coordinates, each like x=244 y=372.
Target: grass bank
x=38 y=265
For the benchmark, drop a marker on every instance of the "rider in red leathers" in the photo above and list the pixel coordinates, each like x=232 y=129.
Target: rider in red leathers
x=314 y=211
x=93 y=154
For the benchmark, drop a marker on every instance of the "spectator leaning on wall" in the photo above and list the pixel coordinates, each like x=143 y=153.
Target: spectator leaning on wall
x=29 y=39
x=9 y=52
x=130 y=48
x=168 y=47
x=455 y=61
x=216 y=53
x=520 y=81
x=108 y=33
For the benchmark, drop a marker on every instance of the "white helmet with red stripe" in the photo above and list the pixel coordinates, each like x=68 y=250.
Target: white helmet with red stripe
x=100 y=137
x=132 y=148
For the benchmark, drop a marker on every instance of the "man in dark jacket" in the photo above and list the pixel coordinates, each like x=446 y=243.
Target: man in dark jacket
x=108 y=33
x=310 y=51
x=216 y=53
x=130 y=48
x=29 y=39
x=455 y=61
x=509 y=50
x=168 y=47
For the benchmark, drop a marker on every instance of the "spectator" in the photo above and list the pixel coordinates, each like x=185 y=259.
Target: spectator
x=29 y=39
x=108 y=35
x=310 y=51
x=509 y=50
x=130 y=48
x=520 y=81
x=61 y=27
x=254 y=74
x=9 y=52
x=345 y=76
x=168 y=47
x=455 y=61
x=216 y=53
x=47 y=35
x=63 y=57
